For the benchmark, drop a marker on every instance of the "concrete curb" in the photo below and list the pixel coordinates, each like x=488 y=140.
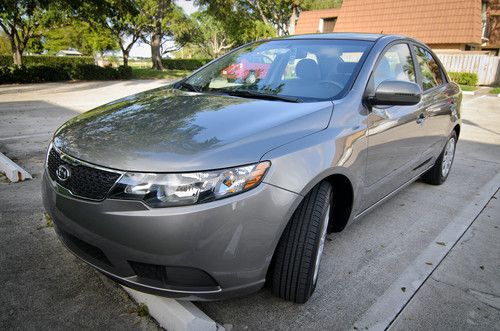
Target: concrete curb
x=13 y=172
x=469 y=92
x=175 y=315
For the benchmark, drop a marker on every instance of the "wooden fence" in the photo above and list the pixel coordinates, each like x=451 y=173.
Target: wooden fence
x=485 y=66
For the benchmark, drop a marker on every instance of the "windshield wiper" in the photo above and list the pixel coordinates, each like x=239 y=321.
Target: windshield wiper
x=259 y=95
x=190 y=87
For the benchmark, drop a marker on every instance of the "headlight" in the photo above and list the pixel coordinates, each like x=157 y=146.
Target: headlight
x=165 y=190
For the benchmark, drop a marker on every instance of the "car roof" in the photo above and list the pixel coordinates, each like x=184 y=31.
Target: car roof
x=347 y=36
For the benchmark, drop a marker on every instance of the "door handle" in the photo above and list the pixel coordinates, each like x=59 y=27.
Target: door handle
x=421 y=118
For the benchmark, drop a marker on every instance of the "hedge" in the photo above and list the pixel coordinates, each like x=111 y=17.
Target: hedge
x=44 y=73
x=93 y=72
x=184 y=64
x=464 y=78
x=54 y=61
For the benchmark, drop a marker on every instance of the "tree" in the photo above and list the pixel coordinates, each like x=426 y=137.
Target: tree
x=126 y=22
x=210 y=35
x=280 y=14
x=322 y=4
x=4 y=44
x=23 y=20
x=213 y=36
x=88 y=38
x=275 y=13
x=167 y=22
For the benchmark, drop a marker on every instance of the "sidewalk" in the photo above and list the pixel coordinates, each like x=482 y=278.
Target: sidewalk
x=463 y=293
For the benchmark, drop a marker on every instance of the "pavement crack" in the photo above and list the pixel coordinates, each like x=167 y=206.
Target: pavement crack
x=489 y=299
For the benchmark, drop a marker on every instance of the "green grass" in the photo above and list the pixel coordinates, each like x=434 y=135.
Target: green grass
x=148 y=73
x=142 y=310
x=48 y=222
x=495 y=90
x=468 y=88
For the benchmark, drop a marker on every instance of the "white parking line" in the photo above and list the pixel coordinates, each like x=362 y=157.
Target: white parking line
x=386 y=309
x=466 y=103
x=23 y=136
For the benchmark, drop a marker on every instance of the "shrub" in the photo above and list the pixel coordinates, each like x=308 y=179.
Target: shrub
x=93 y=72
x=34 y=74
x=53 y=61
x=124 y=72
x=44 y=73
x=184 y=64
x=464 y=78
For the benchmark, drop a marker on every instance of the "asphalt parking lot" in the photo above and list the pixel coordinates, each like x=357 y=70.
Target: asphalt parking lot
x=45 y=286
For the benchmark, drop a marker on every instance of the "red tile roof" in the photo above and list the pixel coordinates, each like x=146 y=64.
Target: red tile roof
x=431 y=21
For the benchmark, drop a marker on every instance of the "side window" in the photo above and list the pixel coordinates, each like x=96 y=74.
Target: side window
x=432 y=75
x=395 y=64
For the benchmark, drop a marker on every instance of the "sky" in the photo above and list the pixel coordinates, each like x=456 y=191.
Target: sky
x=144 y=50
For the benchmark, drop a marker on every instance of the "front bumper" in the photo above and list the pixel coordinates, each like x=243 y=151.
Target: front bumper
x=210 y=251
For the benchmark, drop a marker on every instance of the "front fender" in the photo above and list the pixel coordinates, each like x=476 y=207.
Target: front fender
x=300 y=165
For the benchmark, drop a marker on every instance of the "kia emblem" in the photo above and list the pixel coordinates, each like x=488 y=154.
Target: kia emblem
x=63 y=173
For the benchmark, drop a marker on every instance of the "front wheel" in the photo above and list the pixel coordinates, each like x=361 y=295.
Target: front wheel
x=439 y=172
x=298 y=255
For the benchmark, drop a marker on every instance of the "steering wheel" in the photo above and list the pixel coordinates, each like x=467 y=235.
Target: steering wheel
x=331 y=82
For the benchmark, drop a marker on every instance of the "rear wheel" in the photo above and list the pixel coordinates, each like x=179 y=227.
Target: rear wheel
x=298 y=255
x=439 y=172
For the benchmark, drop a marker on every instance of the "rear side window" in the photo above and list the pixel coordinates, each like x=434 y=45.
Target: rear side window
x=395 y=64
x=432 y=75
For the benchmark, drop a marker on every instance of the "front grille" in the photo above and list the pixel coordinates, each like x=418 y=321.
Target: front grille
x=84 y=181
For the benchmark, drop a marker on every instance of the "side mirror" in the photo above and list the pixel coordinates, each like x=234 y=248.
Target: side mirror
x=396 y=93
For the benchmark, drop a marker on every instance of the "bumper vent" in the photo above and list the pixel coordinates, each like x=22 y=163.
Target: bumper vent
x=83 y=181
x=180 y=277
x=86 y=248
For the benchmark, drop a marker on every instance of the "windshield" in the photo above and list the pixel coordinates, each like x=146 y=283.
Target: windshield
x=300 y=70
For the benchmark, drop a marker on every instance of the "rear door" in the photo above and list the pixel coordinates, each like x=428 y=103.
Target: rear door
x=395 y=142
x=437 y=102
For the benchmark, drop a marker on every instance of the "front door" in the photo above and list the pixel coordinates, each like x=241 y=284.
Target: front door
x=395 y=140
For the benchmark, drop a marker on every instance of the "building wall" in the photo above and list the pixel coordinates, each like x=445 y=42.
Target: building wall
x=309 y=20
x=493 y=14
x=447 y=47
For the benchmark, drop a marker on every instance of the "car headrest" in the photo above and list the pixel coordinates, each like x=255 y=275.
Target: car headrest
x=307 y=69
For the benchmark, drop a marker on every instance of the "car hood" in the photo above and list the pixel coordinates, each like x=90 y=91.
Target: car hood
x=168 y=130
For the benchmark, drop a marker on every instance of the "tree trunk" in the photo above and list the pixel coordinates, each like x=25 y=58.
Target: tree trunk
x=17 y=56
x=125 y=57
x=293 y=21
x=17 y=52
x=156 y=37
x=155 y=51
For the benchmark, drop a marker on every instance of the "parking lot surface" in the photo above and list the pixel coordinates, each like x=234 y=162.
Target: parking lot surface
x=45 y=286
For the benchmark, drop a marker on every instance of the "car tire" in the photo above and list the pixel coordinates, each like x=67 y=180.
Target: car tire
x=298 y=255
x=439 y=172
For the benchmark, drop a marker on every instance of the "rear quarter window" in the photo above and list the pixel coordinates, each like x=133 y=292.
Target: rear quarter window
x=432 y=74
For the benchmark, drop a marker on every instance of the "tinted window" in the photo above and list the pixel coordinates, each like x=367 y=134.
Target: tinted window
x=308 y=69
x=431 y=72
x=395 y=64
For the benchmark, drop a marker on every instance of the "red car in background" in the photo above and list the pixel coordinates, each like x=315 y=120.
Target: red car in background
x=254 y=63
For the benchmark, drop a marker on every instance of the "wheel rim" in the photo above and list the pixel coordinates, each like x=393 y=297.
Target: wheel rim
x=448 y=155
x=321 y=245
